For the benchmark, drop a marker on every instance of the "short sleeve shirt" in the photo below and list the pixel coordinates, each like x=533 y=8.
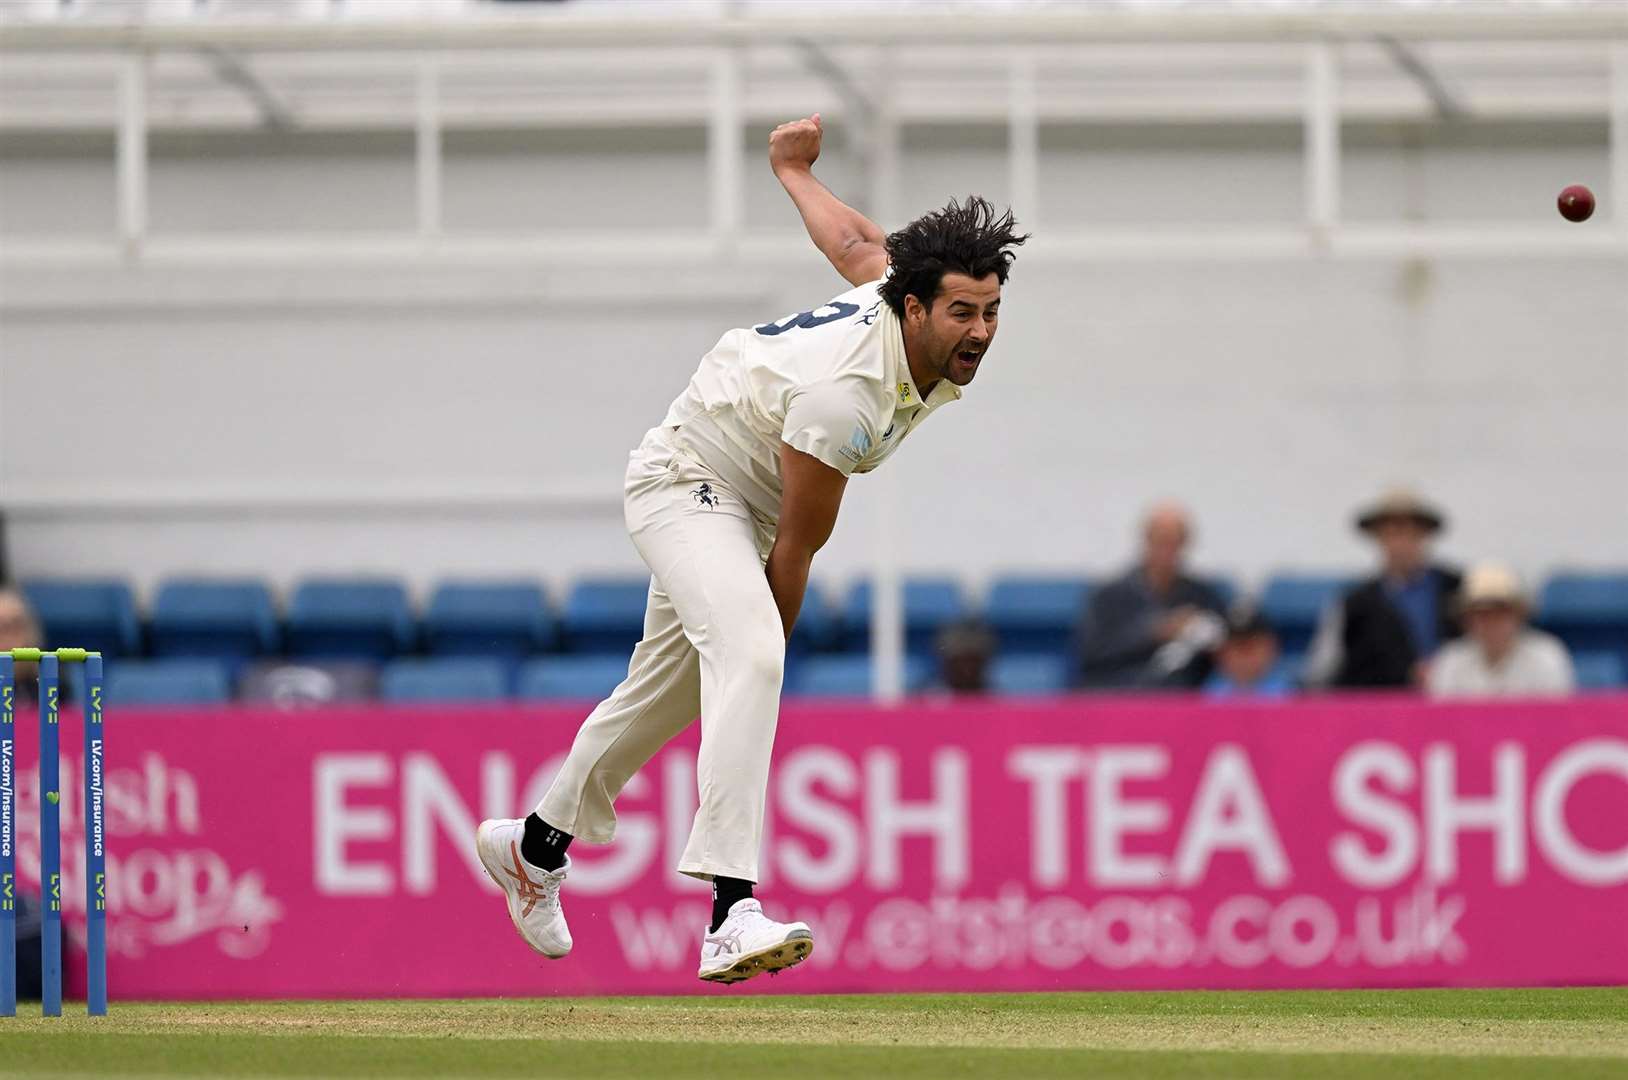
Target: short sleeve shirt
x=832 y=382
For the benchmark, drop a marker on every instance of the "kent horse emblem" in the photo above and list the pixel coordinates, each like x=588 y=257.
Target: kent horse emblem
x=706 y=496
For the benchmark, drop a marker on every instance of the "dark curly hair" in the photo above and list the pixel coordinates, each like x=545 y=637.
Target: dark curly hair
x=963 y=238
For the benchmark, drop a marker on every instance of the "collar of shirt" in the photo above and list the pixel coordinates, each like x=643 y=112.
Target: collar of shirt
x=908 y=397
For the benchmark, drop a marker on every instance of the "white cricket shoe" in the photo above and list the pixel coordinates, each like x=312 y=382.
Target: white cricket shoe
x=749 y=943
x=532 y=892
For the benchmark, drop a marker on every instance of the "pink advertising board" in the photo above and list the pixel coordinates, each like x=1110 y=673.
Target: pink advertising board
x=1076 y=843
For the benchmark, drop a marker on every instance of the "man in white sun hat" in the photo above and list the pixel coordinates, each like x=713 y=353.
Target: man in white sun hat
x=1500 y=655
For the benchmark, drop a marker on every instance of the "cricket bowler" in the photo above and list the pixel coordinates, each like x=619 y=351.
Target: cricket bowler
x=727 y=500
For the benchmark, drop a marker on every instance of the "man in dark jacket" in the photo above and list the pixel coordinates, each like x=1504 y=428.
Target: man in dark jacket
x=1383 y=632
x=1155 y=626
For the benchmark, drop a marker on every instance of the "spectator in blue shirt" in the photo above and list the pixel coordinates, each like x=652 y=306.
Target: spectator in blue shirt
x=1246 y=662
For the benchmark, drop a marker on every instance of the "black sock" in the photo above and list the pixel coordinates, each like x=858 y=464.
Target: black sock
x=543 y=845
x=725 y=892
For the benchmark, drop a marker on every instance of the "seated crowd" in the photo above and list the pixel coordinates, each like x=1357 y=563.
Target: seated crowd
x=1415 y=624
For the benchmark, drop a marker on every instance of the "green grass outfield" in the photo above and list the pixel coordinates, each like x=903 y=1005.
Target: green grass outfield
x=1486 y=1034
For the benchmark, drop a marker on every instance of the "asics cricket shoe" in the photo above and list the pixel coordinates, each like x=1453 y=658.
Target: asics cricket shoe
x=749 y=943
x=532 y=892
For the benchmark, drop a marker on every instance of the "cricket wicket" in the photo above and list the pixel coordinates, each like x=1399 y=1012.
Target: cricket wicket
x=49 y=661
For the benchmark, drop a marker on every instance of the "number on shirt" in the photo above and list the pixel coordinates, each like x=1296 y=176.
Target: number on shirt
x=830 y=312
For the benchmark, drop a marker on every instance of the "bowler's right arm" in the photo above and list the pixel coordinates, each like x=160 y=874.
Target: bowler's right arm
x=855 y=244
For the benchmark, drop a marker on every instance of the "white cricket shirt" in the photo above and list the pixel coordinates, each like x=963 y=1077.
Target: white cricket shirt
x=832 y=382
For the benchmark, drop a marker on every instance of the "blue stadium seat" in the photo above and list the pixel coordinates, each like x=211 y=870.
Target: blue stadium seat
x=343 y=619
x=817 y=624
x=1028 y=674
x=1293 y=604
x=86 y=614
x=605 y=615
x=1600 y=671
x=1036 y=614
x=575 y=678
x=445 y=679
x=1589 y=612
x=849 y=675
x=228 y=620
x=507 y=619
x=167 y=682
x=929 y=604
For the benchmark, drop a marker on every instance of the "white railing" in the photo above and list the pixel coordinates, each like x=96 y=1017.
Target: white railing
x=306 y=24
x=1319 y=65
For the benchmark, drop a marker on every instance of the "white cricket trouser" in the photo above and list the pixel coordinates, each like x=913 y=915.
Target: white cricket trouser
x=713 y=644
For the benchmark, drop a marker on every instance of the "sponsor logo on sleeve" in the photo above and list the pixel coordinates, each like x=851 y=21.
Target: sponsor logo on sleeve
x=858 y=445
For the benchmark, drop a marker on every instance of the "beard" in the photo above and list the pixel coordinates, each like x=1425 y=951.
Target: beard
x=961 y=361
x=951 y=354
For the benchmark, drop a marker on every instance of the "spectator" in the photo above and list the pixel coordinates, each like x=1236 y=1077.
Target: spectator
x=1155 y=626
x=1383 y=632
x=1247 y=661
x=964 y=651
x=1500 y=655
x=19 y=629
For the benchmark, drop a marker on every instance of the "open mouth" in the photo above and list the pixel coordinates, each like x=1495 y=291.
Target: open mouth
x=969 y=357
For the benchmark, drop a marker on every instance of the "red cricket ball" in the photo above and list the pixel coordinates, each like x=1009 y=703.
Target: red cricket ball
x=1576 y=203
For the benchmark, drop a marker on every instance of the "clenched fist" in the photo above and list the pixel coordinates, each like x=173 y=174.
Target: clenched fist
x=795 y=145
